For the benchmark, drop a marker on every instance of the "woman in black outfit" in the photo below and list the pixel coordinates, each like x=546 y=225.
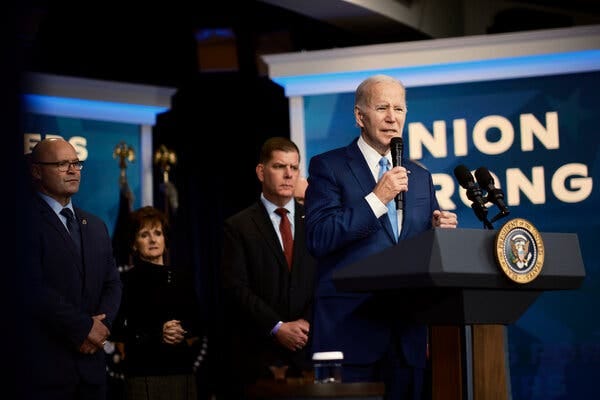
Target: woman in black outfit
x=158 y=328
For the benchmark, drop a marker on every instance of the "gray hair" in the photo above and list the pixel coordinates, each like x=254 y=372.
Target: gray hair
x=362 y=91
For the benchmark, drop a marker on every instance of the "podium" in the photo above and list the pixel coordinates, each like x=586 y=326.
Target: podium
x=271 y=390
x=448 y=279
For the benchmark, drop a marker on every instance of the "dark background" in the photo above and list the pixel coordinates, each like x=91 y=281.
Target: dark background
x=161 y=43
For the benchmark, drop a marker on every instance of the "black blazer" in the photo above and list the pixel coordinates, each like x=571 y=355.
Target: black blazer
x=259 y=290
x=67 y=289
x=152 y=295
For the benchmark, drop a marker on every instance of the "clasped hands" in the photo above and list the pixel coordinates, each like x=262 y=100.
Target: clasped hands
x=96 y=337
x=293 y=335
x=173 y=332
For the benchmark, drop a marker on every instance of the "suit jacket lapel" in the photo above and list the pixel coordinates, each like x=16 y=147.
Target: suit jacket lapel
x=299 y=236
x=359 y=168
x=83 y=228
x=265 y=227
x=364 y=180
x=52 y=219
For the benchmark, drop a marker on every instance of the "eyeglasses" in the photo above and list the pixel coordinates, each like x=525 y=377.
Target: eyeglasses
x=63 y=166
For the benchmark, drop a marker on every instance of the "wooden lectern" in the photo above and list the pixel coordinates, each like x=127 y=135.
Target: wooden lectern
x=448 y=279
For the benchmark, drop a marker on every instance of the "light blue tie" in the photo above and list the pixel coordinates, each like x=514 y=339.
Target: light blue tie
x=392 y=213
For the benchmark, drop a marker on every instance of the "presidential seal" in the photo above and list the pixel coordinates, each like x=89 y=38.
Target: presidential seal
x=519 y=250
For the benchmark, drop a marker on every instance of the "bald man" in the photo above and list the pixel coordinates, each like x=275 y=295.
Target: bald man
x=76 y=285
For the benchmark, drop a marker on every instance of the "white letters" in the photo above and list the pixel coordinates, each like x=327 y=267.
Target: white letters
x=534 y=188
x=530 y=126
x=570 y=183
x=495 y=135
x=436 y=144
x=446 y=189
x=507 y=134
x=79 y=142
x=582 y=185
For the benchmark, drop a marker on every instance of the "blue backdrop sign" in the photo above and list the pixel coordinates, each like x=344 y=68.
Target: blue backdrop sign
x=539 y=137
x=95 y=142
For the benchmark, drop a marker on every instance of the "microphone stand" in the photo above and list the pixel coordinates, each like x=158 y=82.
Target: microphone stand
x=496 y=197
x=501 y=214
x=477 y=204
x=482 y=215
x=487 y=224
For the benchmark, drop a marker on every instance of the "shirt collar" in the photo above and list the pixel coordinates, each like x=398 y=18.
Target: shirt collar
x=55 y=205
x=372 y=156
x=272 y=207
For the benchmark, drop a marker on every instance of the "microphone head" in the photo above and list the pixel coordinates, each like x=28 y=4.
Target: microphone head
x=396 y=141
x=464 y=176
x=396 y=147
x=484 y=178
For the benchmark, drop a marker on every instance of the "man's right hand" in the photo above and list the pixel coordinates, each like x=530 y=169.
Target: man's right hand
x=293 y=335
x=391 y=183
x=96 y=337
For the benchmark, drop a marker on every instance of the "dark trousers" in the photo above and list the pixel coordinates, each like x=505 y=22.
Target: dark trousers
x=79 y=391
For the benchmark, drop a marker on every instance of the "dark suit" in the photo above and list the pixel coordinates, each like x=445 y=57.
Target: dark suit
x=341 y=229
x=259 y=290
x=67 y=290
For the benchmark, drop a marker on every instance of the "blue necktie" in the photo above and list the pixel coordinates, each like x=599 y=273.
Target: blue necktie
x=72 y=226
x=392 y=213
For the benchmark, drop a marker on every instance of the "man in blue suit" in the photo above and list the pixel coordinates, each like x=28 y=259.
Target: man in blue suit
x=347 y=220
x=76 y=289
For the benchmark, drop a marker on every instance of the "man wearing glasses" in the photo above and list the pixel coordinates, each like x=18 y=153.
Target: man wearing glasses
x=76 y=285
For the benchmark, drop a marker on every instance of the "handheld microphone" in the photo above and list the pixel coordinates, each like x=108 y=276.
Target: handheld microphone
x=396 y=146
x=474 y=193
x=494 y=195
